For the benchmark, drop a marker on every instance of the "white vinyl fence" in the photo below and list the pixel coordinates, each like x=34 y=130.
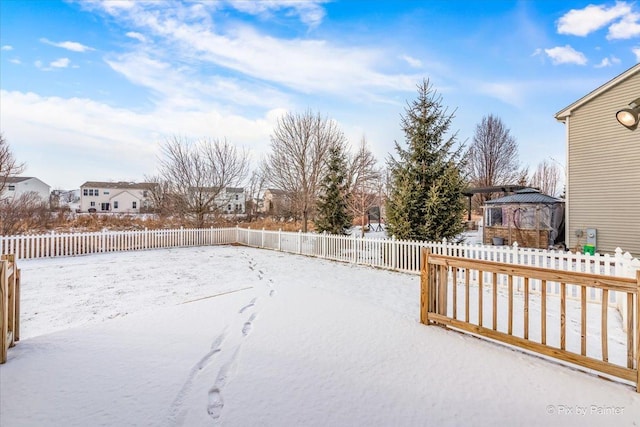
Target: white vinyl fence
x=392 y=254
x=70 y=244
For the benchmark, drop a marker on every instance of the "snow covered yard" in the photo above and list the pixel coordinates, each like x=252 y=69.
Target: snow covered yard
x=241 y=336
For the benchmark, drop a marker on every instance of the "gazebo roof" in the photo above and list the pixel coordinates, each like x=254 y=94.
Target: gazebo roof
x=529 y=195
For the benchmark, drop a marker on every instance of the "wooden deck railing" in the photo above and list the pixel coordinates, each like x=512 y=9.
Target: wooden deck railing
x=9 y=304
x=440 y=300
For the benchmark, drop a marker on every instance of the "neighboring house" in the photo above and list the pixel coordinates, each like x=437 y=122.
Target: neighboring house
x=232 y=201
x=17 y=186
x=116 y=197
x=275 y=202
x=603 y=168
x=229 y=200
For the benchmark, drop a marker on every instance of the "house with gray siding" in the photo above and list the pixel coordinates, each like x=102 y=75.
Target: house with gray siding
x=603 y=168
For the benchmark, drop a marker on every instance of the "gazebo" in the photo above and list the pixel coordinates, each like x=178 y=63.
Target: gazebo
x=528 y=217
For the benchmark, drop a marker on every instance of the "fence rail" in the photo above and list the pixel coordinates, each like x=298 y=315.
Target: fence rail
x=9 y=304
x=441 y=276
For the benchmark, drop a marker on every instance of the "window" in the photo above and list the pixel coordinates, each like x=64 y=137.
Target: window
x=12 y=188
x=85 y=192
x=145 y=193
x=104 y=206
x=115 y=204
x=93 y=204
x=105 y=192
x=229 y=207
x=134 y=205
x=236 y=197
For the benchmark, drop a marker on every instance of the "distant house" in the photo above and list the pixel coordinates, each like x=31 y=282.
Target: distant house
x=603 y=168
x=227 y=201
x=116 y=197
x=232 y=201
x=17 y=186
x=276 y=202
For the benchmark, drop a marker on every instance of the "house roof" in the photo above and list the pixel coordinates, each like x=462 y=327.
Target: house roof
x=275 y=191
x=528 y=196
x=15 y=179
x=566 y=112
x=119 y=185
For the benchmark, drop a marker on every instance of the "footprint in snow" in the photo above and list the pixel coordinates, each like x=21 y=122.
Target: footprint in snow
x=251 y=304
x=248 y=325
x=215 y=403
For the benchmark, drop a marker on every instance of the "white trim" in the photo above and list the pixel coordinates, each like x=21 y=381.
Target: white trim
x=566 y=112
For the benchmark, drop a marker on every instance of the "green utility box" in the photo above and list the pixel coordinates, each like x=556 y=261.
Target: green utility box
x=589 y=249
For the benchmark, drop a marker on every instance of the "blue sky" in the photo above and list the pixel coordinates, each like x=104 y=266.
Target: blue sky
x=90 y=89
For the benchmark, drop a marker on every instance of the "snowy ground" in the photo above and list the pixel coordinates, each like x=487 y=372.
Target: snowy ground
x=239 y=336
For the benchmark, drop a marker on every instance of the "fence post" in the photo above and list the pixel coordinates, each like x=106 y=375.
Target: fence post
x=324 y=244
x=354 y=258
x=279 y=239
x=262 y=244
x=424 y=286
x=4 y=307
x=299 y=241
x=637 y=314
x=394 y=251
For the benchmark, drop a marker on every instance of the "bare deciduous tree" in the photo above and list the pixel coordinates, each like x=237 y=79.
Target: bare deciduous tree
x=162 y=201
x=363 y=182
x=9 y=166
x=254 y=190
x=546 y=178
x=299 y=147
x=22 y=213
x=198 y=173
x=492 y=158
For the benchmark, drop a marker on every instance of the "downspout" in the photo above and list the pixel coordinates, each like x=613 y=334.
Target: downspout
x=567 y=226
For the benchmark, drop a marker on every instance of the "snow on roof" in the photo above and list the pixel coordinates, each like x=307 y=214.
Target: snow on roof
x=120 y=184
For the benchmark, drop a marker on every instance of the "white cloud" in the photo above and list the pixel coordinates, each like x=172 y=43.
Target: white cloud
x=60 y=63
x=311 y=65
x=581 y=22
x=106 y=142
x=636 y=52
x=566 y=55
x=507 y=92
x=179 y=88
x=15 y=61
x=72 y=46
x=413 y=62
x=310 y=12
x=607 y=62
x=7 y=47
x=627 y=28
x=137 y=36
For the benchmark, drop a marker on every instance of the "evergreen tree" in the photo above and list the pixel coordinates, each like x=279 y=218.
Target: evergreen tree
x=425 y=201
x=333 y=214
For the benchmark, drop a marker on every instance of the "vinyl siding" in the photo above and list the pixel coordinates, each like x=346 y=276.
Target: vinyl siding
x=604 y=172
